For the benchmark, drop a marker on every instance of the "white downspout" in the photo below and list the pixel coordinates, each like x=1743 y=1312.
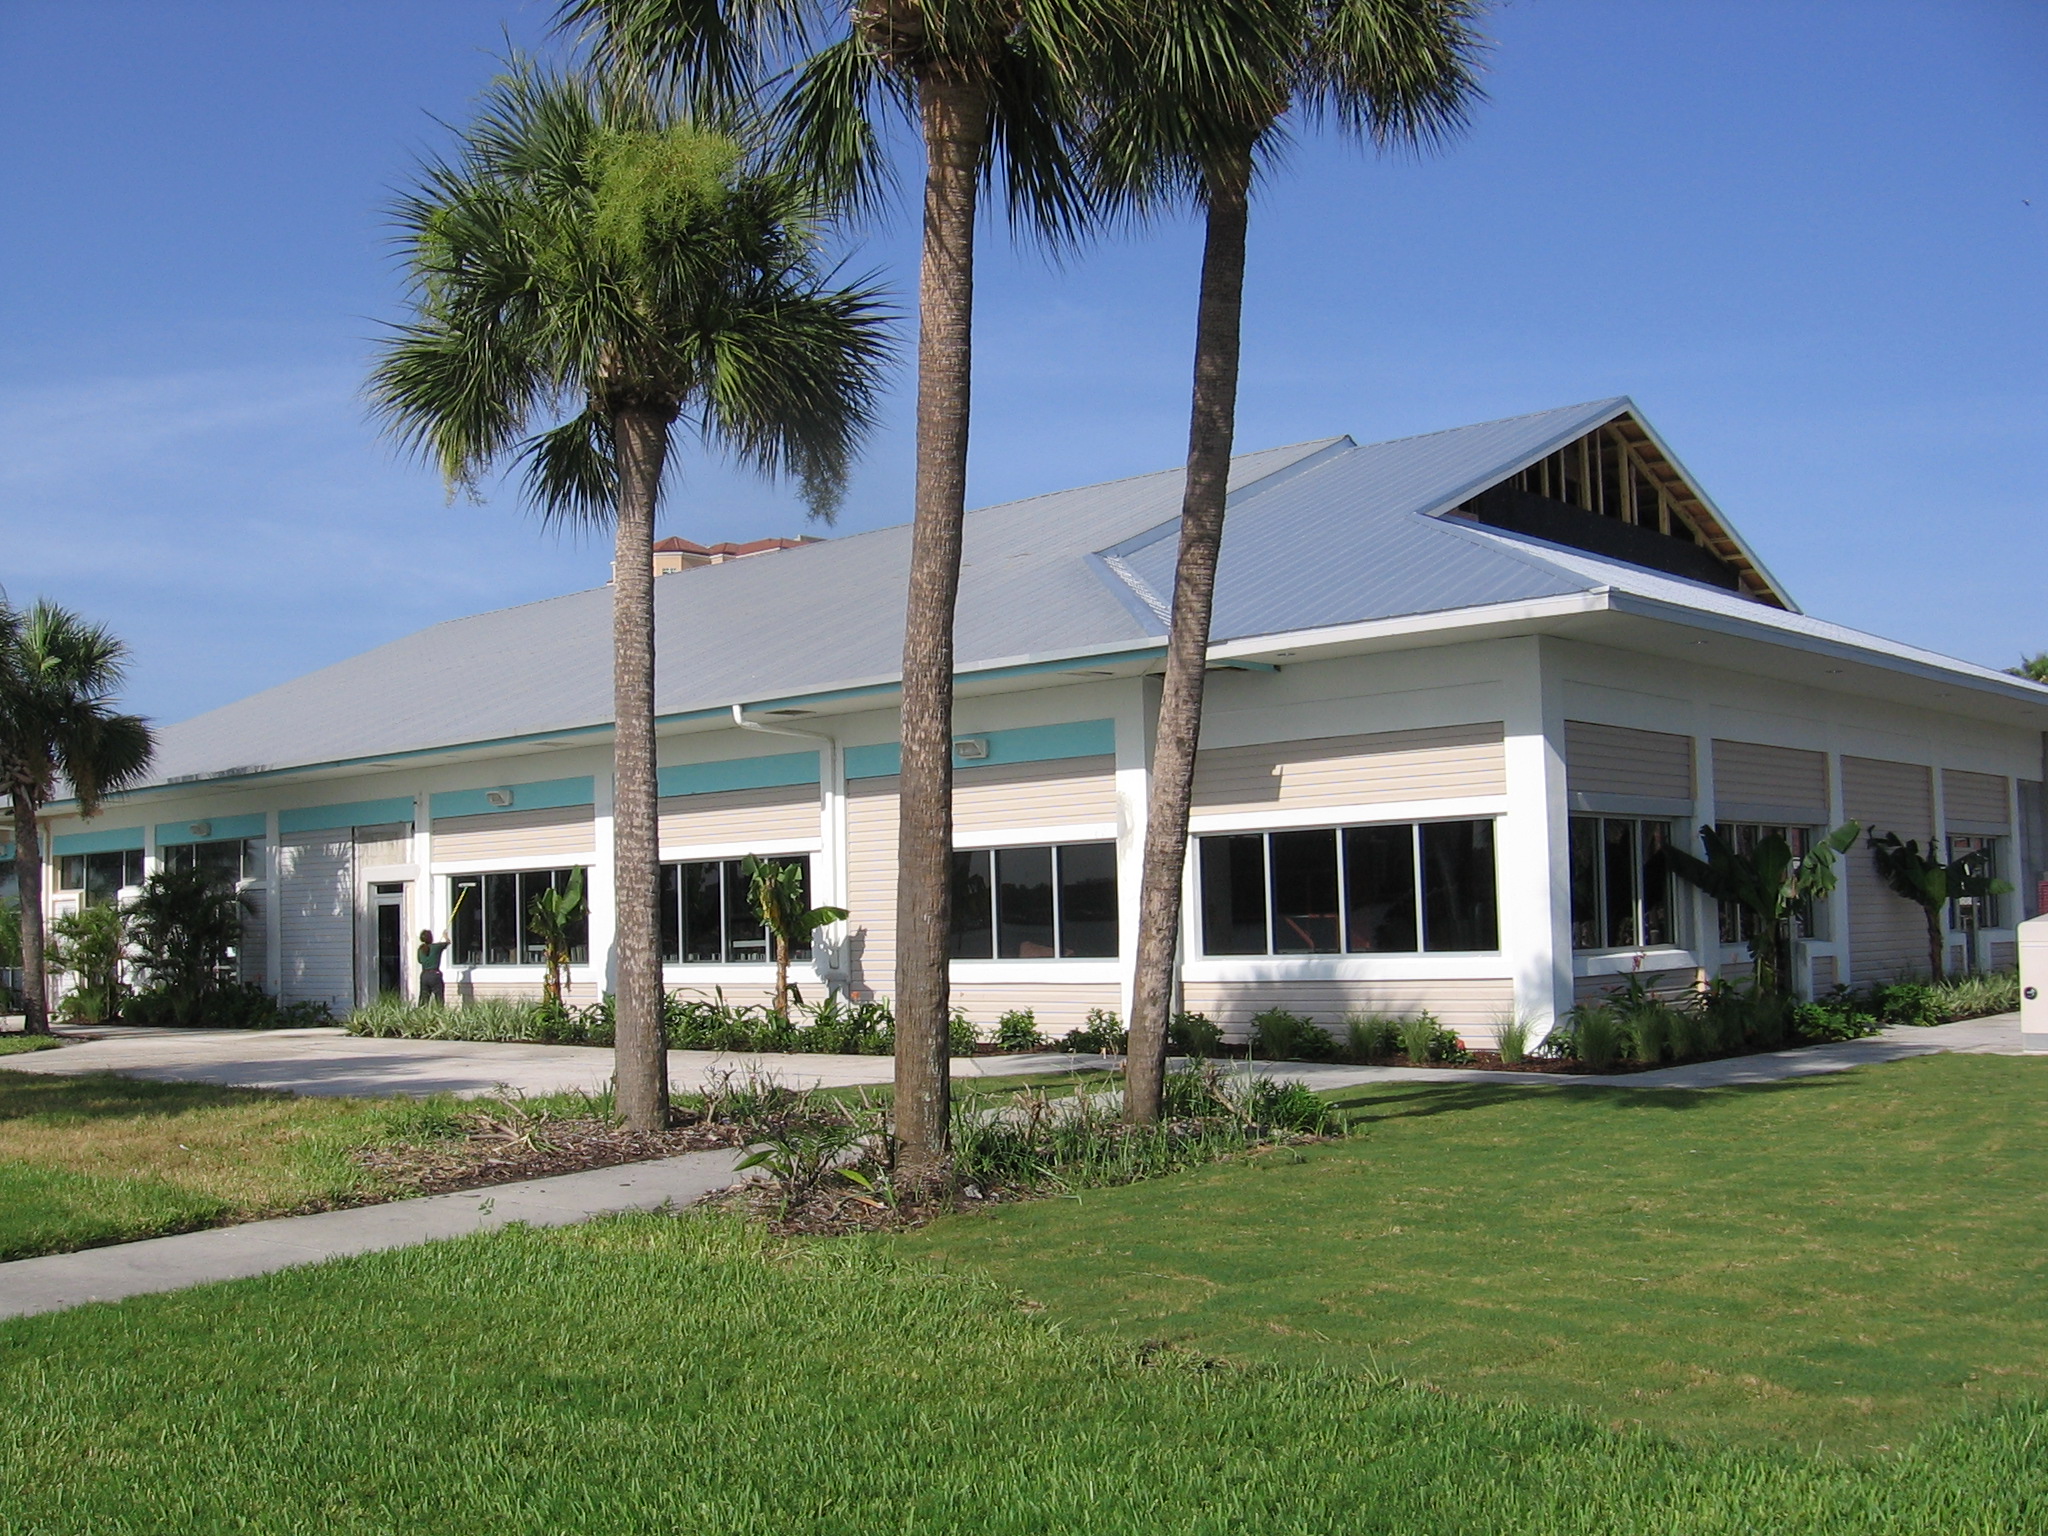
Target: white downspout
x=829 y=884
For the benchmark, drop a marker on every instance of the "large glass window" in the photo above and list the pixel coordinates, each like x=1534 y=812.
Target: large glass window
x=1621 y=886
x=707 y=915
x=492 y=918
x=99 y=875
x=1971 y=914
x=1391 y=889
x=230 y=858
x=1042 y=903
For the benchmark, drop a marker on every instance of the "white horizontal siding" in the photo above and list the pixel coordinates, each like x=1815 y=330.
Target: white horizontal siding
x=1887 y=933
x=1016 y=795
x=871 y=885
x=1620 y=760
x=738 y=816
x=1435 y=763
x=547 y=837
x=1975 y=797
x=1465 y=1004
x=1753 y=779
x=316 y=919
x=1058 y=1007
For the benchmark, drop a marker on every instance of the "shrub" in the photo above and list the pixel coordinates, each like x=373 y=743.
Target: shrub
x=183 y=928
x=1649 y=1032
x=90 y=945
x=1973 y=997
x=1372 y=1036
x=1597 y=1036
x=230 y=1005
x=1908 y=1002
x=1017 y=1030
x=1103 y=1032
x=1840 y=1015
x=1425 y=1042
x=1688 y=1034
x=1193 y=1036
x=1511 y=1039
x=962 y=1038
x=1278 y=1035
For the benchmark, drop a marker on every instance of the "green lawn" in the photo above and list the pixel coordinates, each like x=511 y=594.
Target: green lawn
x=102 y=1159
x=660 y=1374
x=1837 y=1262
x=15 y=1045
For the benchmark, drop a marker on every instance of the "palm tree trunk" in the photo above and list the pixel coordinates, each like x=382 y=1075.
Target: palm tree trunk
x=640 y=436
x=28 y=890
x=955 y=118
x=1210 y=434
x=782 y=975
x=1936 y=942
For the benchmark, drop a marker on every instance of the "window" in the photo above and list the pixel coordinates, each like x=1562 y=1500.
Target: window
x=1738 y=924
x=1396 y=889
x=233 y=859
x=1035 y=903
x=1621 y=889
x=707 y=918
x=99 y=875
x=1972 y=914
x=491 y=924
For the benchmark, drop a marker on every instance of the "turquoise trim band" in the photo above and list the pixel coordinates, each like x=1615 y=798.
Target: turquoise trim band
x=784 y=768
x=357 y=813
x=112 y=840
x=220 y=829
x=1026 y=744
x=543 y=795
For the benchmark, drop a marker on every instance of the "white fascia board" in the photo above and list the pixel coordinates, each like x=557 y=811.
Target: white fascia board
x=1444 y=625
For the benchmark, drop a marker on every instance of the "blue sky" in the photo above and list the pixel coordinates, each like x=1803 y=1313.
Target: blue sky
x=1809 y=238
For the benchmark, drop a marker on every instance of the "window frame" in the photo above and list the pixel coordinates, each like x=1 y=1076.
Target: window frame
x=1418 y=893
x=524 y=947
x=249 y=863
x=1639 y=894
x=130 y=857
x=1059 y=885
x=728 y=885
x=1990 y=843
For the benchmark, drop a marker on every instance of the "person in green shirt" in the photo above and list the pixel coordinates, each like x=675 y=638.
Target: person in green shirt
x=433 y=989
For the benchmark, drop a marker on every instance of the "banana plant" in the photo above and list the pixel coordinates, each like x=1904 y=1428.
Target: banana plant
x=775 y=887
x=549 y=915
x=1931 y=885
x=1771 y=883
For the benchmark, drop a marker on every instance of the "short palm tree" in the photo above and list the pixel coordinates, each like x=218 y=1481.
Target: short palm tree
x=775 y=889
x=589 y=272
x=988 y=86
x=59 y=731
x=1193 y=99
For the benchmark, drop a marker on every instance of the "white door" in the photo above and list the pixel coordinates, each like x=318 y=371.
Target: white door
x=316 y=919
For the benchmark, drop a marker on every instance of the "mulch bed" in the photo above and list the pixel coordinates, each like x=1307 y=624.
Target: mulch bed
x=837 y=1212
x=506 y=1151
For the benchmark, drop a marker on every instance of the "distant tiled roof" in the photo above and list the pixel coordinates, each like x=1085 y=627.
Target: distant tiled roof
x=675 y=546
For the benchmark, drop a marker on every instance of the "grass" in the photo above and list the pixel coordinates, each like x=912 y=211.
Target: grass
x=657 y=1374
x=104 y=1159
x=15 y=1045
x=1836 y=1262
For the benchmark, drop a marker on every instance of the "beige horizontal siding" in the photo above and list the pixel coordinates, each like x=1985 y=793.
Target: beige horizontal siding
x=871 y=885
x=743 y=995
x=562 y=834
x=1439 y=762
x=1058 y=1007
x=1785 y=780
x=1463 y=1004
x=738 y=815
x=1014 y=795
x=460 y=990
x=1620 y=760
x=1887 y=933
x=1671 y=985
x=2005 y=955
x=1824 y=974
x=390 y=844
x=1978 y=797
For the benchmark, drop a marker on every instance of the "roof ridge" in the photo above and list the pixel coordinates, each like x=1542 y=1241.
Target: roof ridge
x=1501 y=421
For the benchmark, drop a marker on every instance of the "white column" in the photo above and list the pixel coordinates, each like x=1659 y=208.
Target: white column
x=1534 y=842
x=1838 y=901
x=601 y=890
x=1706 y=912
x=273 y=907
x=1137 y=718
x=829 y=870
x=429 y=904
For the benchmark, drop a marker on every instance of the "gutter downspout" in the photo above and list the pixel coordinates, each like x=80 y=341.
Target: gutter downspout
x=831 y=883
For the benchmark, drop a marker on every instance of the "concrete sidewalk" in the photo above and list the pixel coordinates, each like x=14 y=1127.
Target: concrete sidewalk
x=60 y=1280
x=329 y=1063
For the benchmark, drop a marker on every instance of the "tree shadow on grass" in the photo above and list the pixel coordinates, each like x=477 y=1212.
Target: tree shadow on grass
x=109 y=1096
x=1375 y=1102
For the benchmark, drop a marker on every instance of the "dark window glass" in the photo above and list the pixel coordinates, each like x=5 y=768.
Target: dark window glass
x=703 y=923
x=670 y=905
x=1656 y=883
x=466 y=940
x=502 y=925
x=1379 y=890
x=1585 y=862
x=1234 y=895
x=974 y=934
x=1024 y=904
x=745 y=937
x=1088 y=916
x=534 y=948
x=100 y=875
x=1304 y=893
x=1458 y=901
x=1618 y=855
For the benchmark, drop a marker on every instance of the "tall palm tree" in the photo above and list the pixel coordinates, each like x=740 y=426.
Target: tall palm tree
x=58 y=729
x=987 y=84
x=1196 y=100
x=592 y=261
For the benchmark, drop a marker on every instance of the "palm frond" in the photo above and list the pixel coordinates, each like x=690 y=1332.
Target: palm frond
x=571 y=475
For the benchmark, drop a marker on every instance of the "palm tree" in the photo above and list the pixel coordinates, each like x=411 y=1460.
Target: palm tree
x=58 y=728
x=775 y=890
x=1195 y=99
x=594 y=262
x=988 y=85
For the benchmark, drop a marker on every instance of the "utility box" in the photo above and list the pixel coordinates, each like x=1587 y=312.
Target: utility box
x=2034 y=984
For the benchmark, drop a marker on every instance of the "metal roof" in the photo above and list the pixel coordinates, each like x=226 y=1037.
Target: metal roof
x=1321 y=533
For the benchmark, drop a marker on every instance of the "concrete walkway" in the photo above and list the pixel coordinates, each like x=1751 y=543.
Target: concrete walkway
x=330 y=1063
x=60 y=1280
